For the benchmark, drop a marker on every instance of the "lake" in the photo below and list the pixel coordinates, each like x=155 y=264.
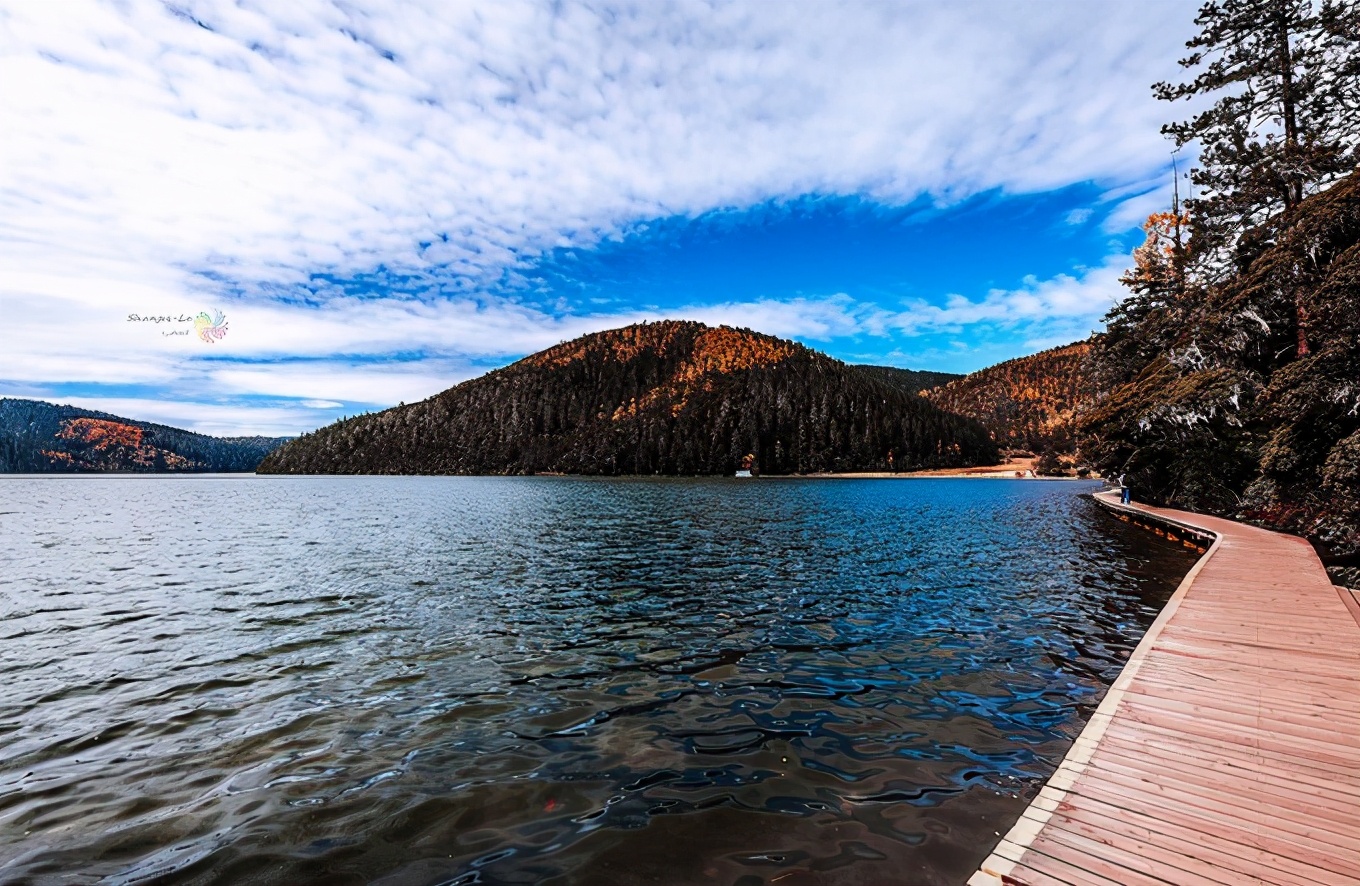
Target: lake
x=433 y=680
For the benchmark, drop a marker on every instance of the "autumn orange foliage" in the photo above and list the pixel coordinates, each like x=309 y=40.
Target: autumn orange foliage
x=1159 y=262
x=101 y=434
x=714 y=352
x=672 y=397
x=726 y=350
x=1030 y=402
x=110 y=445
x=623 y=345
x=722 y=349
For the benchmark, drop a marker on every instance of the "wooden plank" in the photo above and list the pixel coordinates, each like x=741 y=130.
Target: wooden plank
x=1178 y=740
x=1217 y=698
x=1169 y=792
x=1023 y=875
x=1279 y=774
x=1060 y=840
x=1316 y=717
x=1193 y=819
x=1061 y=860
x=1167 y=858
x=1228 y=750
x=1261 y=658
x=1287 y=746
x=1038 y=869
x=1306 y=696
x=1260 y=652
x=1314 y=728
x=1234 y=779
x=1232 y=849
x=1351 y=600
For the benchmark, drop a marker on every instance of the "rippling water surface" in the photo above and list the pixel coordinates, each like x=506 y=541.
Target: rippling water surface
x=546 y=680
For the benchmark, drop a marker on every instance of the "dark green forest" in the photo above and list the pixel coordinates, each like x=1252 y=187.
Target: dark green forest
x=912 y=381
x=38 y=437
x=1229 y=378
x=660 y=398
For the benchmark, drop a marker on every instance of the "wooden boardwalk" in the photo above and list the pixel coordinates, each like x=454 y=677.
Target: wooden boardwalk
x=1228 y=751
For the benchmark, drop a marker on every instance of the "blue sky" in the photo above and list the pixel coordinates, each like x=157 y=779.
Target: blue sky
x=878 y=260
x=385 y=201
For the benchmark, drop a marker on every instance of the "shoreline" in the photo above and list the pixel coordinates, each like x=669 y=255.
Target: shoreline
x=936 y=474
x=1017 y=469
x=930 y=474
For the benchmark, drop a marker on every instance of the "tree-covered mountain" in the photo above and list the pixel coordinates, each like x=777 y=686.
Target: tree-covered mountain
x=1026 y=403
x=38 y=437
x=655 y=398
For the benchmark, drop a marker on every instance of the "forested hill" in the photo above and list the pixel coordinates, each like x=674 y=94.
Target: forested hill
x=1229 y=375
x=1027 y=403
x=655 y=398
x=1210 y=403
x=913 y=381
x=38 y=437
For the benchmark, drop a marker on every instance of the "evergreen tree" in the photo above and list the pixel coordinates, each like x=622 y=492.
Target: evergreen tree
x=1284 y=123
x=1027 y=403
x=1286 y=116
x=42 y=437
x=1228 y=377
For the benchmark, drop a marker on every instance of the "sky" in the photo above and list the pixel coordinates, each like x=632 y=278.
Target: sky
x=382 y=200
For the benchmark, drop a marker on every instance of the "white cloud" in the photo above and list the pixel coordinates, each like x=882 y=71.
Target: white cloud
x=154 y=162
x=1056 y=310
x=815 y=319
x=329 y=381
x=1078 y=216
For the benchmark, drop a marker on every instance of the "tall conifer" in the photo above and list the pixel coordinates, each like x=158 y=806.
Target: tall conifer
x=1283 y=124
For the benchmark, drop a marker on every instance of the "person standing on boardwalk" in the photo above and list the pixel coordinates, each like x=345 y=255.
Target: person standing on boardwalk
x=1124 y=495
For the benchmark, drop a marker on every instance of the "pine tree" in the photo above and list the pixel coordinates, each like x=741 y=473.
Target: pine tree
x=1229 y=384
x=1283 y=126
x=1289 y=116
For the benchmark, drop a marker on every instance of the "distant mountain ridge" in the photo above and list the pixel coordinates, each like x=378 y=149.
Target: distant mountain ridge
x=1026 y=403
x=1029 y=402
x=656 y=398
x=40 y=437
x=913 y=381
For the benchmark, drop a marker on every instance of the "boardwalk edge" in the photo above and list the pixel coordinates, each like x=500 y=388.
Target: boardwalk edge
x=1009 y=853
